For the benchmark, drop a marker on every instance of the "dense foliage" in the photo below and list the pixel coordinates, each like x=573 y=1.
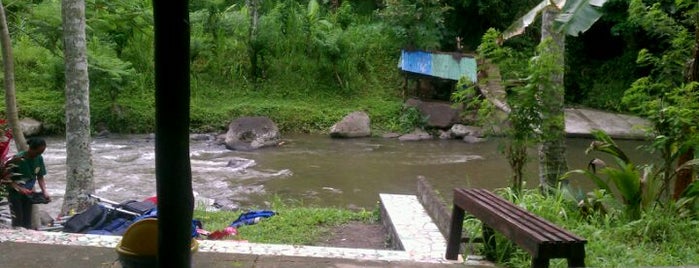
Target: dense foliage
x=629 y=195
x=305 y=64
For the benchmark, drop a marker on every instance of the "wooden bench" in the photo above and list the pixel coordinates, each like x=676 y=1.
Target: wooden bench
x=542 y=239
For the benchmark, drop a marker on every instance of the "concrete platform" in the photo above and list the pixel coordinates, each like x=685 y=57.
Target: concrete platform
x=68 y=256
x=411 y=228
x=581 y=121
x=420 y=245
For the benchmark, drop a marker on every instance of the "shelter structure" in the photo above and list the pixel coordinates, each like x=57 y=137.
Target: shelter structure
x=436 y=72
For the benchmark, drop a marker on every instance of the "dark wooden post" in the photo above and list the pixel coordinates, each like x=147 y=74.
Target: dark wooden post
x=454 y=243
x=172 y=167
x=577 y=256
x=540 y=262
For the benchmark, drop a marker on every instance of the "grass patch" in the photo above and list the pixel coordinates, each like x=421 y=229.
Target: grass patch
x=294 y=223
x=313 y=114
x=659 y=238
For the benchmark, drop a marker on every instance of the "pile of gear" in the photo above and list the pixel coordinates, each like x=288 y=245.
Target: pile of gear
x=107 y=217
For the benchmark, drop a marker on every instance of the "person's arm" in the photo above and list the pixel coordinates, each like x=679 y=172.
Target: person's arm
x=10 y=166
x=20 y=189
x=42 y=185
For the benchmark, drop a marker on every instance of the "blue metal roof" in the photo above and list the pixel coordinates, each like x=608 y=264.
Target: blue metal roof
x=443 y=65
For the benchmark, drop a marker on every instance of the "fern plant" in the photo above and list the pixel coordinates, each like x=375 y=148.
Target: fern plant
x=631 y=182
x=410 y=119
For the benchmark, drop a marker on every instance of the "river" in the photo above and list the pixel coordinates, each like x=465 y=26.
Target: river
x=309 y=169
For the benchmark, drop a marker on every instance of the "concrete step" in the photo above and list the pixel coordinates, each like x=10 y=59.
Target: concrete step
x=412 y=231
x=410 y=227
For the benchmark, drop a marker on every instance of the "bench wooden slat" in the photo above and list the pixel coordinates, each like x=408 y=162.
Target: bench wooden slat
x=553 y=233
x=514 y=216
x=518 y=214
x=506 y=228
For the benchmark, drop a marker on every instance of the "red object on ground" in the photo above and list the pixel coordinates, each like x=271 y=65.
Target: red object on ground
x=152 y=199
x=221 y=234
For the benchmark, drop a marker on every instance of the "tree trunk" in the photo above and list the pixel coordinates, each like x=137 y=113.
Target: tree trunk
x=79 y=173
x=253 y=47
x=172 y=167
x=516 y=153
x=10 y=100
x=552 y=150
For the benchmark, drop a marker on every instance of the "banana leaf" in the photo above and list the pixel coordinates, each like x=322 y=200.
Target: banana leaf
x=578 y=16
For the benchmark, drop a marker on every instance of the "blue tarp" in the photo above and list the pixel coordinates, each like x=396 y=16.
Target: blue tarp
x=443 y=65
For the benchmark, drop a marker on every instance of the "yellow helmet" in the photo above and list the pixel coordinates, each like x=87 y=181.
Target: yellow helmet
x=141 y=239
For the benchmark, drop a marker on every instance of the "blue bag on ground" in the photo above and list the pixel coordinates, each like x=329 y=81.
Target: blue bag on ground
x=252 y=217
x=92 y=218
x=117 y=226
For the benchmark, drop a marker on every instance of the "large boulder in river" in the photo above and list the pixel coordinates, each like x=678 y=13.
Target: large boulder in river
x=460 y=131
x=30 y=126
x=439 y=114
x=250 y=133
x=417 y=135
x=354 y=125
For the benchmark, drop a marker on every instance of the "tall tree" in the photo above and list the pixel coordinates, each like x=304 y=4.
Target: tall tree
x=254 y=45
x=79 y=174
x=552 y=149
x=559 y=18
x=9 y=71
x=685 y=176
x=418 y=23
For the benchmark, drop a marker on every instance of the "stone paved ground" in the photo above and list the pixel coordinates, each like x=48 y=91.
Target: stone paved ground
x=65 y=256
x=422 y=246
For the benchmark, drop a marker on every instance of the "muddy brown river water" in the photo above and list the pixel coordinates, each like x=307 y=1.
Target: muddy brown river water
x=311 y=169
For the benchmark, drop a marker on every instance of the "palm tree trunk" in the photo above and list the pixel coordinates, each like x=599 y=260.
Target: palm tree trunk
x=9 y=65
x=79 y=175
x=552 y=150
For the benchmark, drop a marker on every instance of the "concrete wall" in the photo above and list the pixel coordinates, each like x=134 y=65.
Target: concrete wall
x=434 y=206
x=393 y=241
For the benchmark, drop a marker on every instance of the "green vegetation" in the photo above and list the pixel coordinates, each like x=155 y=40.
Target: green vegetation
x=667 y=93
x=410 y=119
x=659 y=238
x=625 y=220
x=295 y=223
x=637 y=188
x=305 y=64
